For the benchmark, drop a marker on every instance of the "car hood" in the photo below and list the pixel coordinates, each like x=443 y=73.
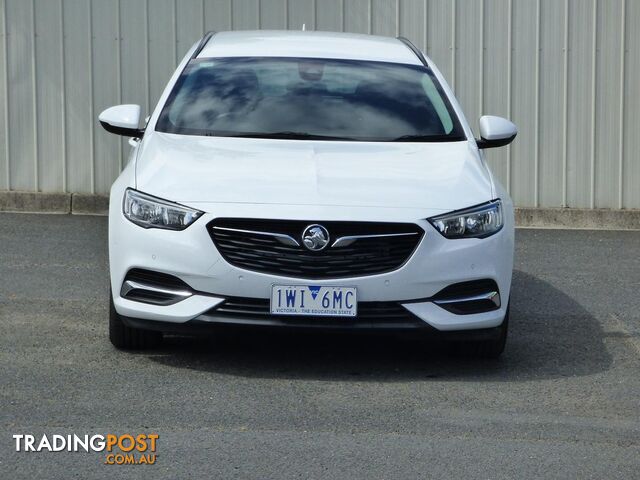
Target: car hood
x=196 y=170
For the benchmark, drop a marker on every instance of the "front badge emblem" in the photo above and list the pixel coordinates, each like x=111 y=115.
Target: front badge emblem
x=315 y=237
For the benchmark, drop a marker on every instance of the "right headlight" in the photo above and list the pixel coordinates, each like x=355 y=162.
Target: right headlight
x=152 y=212
x=475 y=222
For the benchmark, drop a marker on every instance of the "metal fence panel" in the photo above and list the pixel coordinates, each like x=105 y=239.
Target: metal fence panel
x=79 y=116
x=581 y=103
x=48 y=93
x=106 y=64
x=357 y=16
x=551 y=111
x=329 y=15
x=21 y=101
x=609 y=31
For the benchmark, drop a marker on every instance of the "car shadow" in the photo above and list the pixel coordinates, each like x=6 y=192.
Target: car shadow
x=550 y=336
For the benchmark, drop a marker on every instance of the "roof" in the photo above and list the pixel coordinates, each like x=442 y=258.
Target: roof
x=308 y=44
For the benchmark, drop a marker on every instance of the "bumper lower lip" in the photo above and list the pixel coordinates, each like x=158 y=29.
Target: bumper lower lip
x=209 y=324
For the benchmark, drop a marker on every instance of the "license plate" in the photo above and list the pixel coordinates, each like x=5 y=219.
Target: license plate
x=314 y=300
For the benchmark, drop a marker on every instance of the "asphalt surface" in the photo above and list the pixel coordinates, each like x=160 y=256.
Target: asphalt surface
x=563 y=401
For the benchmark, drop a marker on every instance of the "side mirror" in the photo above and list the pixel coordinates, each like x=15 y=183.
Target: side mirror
x=496 y=132
x=122 y=120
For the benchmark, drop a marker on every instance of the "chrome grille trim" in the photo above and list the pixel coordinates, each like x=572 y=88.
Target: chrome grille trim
x=491 y=296
x=282 y=238
x=348 y=240
x=130 y=285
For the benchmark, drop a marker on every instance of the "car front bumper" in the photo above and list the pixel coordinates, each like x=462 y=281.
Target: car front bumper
x=191 y=256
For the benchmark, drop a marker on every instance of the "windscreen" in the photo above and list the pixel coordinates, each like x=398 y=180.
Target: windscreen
x=309 y=99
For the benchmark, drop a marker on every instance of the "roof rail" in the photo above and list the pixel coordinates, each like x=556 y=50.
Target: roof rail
x=415 y=50
x=203 y=42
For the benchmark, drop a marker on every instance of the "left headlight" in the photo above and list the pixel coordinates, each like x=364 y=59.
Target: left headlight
x=475 y=222
x=152 y=212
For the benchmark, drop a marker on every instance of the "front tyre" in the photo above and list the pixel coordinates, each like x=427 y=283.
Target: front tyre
x=490 y=348
x=127 y=338
x=493 y=347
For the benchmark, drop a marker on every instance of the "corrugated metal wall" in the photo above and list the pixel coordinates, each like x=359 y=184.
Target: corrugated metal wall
x=566 y=71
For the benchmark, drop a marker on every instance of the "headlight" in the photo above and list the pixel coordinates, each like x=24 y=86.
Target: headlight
x=474 y=222
x=152 y=212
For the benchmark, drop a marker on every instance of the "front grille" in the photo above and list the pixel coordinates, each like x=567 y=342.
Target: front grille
x=247 y=244
x=370 y=314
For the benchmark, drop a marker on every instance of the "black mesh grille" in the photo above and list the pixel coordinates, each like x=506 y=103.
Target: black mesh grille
x=379 y=314
x=265 y=253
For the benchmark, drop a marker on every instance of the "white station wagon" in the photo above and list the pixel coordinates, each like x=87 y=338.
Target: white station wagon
x=309 y=180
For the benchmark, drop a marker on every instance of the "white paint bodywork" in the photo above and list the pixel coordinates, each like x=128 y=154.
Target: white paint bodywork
x=309 y=180
x=315 y=173
x=496 y=128
x=123 y=116
x=277 y=43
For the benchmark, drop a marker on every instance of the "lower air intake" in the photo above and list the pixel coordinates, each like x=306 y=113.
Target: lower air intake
x=465 y=298
x=156 y=288
x=370 y=314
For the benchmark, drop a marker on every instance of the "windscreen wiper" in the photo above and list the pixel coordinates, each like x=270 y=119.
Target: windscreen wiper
x=286 y=135
x=427 y=138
